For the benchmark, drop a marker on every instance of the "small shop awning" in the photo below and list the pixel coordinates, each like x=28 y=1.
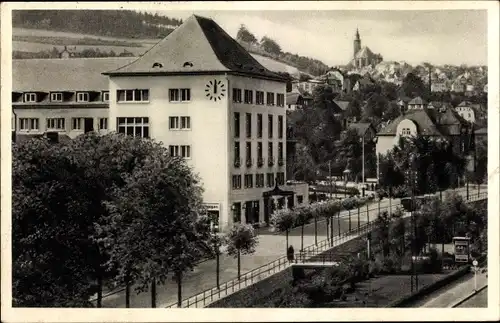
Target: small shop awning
x=276 y=191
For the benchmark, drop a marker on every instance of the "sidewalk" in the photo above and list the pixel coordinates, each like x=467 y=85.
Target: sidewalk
x=270 y=247
x=452 y=295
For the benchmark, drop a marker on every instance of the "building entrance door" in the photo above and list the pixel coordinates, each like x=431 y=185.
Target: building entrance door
x=88 y=125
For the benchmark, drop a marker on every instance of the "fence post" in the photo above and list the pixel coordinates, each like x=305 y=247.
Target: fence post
x=367 y=214
x=359 y=219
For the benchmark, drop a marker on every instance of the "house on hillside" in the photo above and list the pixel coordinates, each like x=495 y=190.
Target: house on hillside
x=417 y=103
x=296 y=100
x=441 y=123
x=68 y=52
x=467 y=111
x=439 y=86
x=363 y=82
x=364 y=130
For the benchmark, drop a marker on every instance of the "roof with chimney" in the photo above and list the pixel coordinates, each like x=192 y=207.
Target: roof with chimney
x=197 y=46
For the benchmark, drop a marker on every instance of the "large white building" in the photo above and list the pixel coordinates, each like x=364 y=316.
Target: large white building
x=202 y=95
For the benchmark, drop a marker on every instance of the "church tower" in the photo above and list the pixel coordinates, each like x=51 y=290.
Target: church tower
x=357 y=43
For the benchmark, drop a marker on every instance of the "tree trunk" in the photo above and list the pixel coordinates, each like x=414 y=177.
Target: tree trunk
x=153 y=293
x=331 y=229
x=327 y=230
x=239 y=265
x=127 y=291
x=359 y=219
x=302 y=237
x=315 y=231
x=179 y=289
x=99 y=288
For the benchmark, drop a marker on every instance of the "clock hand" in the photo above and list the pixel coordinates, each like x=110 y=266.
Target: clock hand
x=215 y=88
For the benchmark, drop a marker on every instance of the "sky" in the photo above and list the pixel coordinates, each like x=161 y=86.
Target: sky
x=438 y=37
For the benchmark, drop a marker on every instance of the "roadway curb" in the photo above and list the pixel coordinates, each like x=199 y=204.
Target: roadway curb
x=469 y=296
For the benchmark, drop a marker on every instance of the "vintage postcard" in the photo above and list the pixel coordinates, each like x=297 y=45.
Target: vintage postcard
x=249 y=161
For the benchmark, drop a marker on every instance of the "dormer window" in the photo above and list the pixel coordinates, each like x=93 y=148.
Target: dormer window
x=56 y=97
x=105 y=96
x=29 y=97
x=405 y=132
x=82 y=97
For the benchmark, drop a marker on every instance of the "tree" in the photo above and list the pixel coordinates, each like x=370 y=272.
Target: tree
x=270 y=45
x=303 y=166
x=302 y=216
x=382 y=226
x=283 y=220
x=241 y=239
x=413 y=86
x=156 y=219
x=397 y=232
x=245 y=35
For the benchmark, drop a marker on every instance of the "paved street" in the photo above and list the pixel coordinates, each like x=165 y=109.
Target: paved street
x=271 y=246
x=454 y=293
x=477 y=301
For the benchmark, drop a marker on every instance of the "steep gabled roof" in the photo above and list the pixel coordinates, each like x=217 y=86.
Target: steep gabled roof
x=361 y=127
x=417 y=100
x=342 y=104
x=425 y=124
x=364 y=52
x=199 y=45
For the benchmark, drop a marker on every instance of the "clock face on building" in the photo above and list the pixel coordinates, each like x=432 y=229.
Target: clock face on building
x=215 y=90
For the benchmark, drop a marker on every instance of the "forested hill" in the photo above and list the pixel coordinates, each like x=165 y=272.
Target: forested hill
x=113 y=23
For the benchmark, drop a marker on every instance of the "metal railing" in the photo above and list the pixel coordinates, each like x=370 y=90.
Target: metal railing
x=255 y=275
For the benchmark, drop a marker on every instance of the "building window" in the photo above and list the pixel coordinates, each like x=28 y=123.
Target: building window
x=259 y=125
x=248 y=180
x=179 y=123
x=270 y=179
x=259 y=97
x=137 y=127
x=300 y=199
x=280 y=154
x=248 y=125
x=259 y=180
x=280 y=178
x=405 y=132
x=132 y=95
x=30 y=97
x=55 y=123
x=236 y=125
x=236 y=182
x=260 y=159
x=183 y=151
x=56 y=97
x=270 y=126
x=103 y=123
x=105 y=96
x=249 y=153
x=270 y=98
x=76 y=123
x=280 y=127
x=82 y=97
x=27 y=124
x=237 y=158
x=248 y=96
x=236 y=212
x=270 y=156
x=180 y=95
x=237 y=95
x=280 y=100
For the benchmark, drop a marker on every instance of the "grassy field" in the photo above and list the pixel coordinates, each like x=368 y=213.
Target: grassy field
x=70 y=41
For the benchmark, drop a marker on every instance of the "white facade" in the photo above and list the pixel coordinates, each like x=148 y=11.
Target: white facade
x=212 y=136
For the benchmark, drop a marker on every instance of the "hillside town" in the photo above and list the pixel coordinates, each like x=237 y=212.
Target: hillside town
x=210 y=172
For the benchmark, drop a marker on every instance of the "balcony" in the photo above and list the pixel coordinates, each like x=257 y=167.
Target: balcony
x=281 y=162
x=260 y=162
x=237 y=162
x=270 y=162
x=249 y=162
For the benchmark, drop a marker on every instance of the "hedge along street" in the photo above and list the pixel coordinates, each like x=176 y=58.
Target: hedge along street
x=271 y=246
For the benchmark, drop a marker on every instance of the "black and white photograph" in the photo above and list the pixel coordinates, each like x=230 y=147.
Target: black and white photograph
x=250 y=156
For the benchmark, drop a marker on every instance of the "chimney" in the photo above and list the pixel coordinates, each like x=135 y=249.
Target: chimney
x=53 y=137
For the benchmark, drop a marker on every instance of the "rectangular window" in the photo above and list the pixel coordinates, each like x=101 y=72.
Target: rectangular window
x=270 y=179
x=236 y=182
x=280 y=100
x=173 y=122
x=236 y=212
x=103 y=123
x=236 y=125
x=259 y=125
x=248 y=153
x=280 y=178
x=132 y=95
x=56 y=97
x=248 y=180
x=105 y=96
x=270 y=150
x=237 y=149
x=183 y=151
x=300 y=199
x=280 y=127
x=180 y=95
x=55 y=123
x=259 y=97
x=30 y=97
x=259 y=150
x=248 y=96
x=185 y=95
x=248 y=125
x=137 y=126
x=280 y=151
x=76 y=123
x=270 y=126
x=270 y=98
x=259 y=180
x=82 y=97
x=186 y=123
x=237 y=95
x=26 y=124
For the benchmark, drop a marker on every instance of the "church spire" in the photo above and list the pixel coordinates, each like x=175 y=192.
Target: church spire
x=357 y=43
x=357 y=34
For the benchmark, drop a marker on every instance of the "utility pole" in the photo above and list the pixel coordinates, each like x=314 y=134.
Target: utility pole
x=363 y=156
x=330 y=176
